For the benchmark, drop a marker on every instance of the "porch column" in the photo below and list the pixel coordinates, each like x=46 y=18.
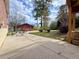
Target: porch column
x=69 y=34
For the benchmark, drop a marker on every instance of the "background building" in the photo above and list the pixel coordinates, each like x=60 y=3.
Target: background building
x=25 y=27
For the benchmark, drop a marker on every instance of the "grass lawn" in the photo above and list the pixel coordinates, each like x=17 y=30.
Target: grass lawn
x=55 y=34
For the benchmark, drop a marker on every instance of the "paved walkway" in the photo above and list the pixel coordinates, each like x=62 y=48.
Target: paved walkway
x=28 y=46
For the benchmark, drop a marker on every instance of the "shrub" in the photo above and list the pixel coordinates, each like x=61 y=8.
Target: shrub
x=41 y=29
x=35 y=28
x=53 y=25
x=11 y=33
x=48 y=30
x=63 y=29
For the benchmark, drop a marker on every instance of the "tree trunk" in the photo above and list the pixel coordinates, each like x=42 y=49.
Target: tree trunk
x=41 y=23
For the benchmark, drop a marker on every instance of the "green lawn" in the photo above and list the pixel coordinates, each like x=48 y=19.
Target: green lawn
x=53 y=34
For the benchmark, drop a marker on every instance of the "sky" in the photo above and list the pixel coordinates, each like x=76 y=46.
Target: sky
x=25 y=8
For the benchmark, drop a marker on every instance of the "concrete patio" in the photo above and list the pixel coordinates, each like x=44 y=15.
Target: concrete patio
x=28 y=46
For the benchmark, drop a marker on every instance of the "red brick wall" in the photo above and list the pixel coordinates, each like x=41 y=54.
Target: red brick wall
x=3 y=14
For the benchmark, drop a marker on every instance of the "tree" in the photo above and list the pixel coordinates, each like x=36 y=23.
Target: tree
x=14 y=20
x=41 y=11
x=62 y=19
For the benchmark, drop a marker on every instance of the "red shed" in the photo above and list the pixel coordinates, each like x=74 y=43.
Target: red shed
x=25 y=27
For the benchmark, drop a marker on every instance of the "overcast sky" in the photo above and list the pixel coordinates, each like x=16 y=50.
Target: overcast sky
x=25 y=8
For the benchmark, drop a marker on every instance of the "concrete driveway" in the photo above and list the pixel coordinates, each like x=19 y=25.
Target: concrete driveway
x=28 y=46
